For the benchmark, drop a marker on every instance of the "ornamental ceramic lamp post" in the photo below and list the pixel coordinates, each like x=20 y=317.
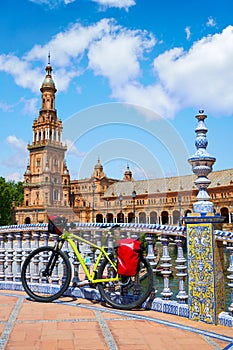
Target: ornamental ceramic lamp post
x=202 y=163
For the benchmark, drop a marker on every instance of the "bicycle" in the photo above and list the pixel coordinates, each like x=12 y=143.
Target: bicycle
x=46 y=273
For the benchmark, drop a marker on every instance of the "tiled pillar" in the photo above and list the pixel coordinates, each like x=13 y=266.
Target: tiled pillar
x=206 y=288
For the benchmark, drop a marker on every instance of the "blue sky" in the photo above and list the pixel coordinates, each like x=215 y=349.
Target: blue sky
x=131 y=75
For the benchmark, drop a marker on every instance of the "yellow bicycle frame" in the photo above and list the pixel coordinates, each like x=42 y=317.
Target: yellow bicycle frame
x=69 y=237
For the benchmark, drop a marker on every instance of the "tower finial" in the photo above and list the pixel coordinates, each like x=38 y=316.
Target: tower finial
x=49 y=58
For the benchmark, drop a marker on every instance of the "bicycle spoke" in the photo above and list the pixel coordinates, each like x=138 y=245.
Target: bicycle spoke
x=127 y=292
x=46 y=275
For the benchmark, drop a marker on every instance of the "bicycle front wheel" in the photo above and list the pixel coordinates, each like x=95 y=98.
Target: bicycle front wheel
x=46 y=274
x=127 y=292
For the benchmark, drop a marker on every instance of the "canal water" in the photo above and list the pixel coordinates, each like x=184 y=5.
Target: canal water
x=174 y=281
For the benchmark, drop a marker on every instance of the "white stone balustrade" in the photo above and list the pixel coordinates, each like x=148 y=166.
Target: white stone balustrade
x=17 y=241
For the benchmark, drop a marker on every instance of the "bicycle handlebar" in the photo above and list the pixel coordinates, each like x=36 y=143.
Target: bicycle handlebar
x=58 y=223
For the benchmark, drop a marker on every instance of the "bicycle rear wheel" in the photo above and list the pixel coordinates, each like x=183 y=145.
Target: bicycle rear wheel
x=46 y=274
x=127 y=292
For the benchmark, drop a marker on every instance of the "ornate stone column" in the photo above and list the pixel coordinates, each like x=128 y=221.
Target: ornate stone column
x=206 y=293
x=202 y=163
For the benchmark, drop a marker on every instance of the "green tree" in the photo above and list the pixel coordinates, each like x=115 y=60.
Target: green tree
x=9 y=192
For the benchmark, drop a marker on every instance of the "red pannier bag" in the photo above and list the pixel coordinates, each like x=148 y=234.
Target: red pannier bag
x=128 y=253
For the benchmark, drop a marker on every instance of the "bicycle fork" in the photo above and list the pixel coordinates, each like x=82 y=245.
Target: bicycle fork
x=53 y=259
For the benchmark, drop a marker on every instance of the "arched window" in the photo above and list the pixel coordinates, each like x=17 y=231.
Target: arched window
x=131 y=217
x=27 y=220
x=176 y=217
x=110 y=217
x=164 y=217
x=224 y=212
x=99 y=218
x=153 y=217
x=142 y=218
x=120 y=217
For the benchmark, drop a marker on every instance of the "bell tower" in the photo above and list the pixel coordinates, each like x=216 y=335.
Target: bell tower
x=46 y=179
x=128 y=174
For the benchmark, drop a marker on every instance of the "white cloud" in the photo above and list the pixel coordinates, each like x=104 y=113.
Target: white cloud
x=72 y=149
x=188 y=33
x=67 y=49
x=52 y=3
x=117 y=56
x=201 y=76
x=6 y=107
x=103 y=3
x=211 y=22
x=22 y=72
x=113 y=52
x=116 y=3
x=16 y=177
x=17 y=144
x=153 y=97
x=30 y=106
x=70 y=44
x=17 y=160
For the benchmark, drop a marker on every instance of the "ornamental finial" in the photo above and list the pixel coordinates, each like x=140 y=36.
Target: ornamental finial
x=202 y=163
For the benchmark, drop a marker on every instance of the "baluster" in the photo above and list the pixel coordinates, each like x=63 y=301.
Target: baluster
x=76 y=264
x=123 y=234
x=134 y=235
x=45 y=236
x=45 y=259
x=182 y=296
x=66 y=251
x=36 y=239
x=55 y=276
x=55 y=239
x=150 y=252
x=10 y=256
x=28 y=241
x=2 y=257
x=230 y=277
x=35 y=274
x=110 y=243
x=166 y=269
x=28 y=249
x=92 y=239
x=18 y=256
x=87 y=250
x=98 y=238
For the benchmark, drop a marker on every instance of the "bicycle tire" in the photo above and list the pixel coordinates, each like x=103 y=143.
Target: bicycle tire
x=41 y=286
x=128 y=292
